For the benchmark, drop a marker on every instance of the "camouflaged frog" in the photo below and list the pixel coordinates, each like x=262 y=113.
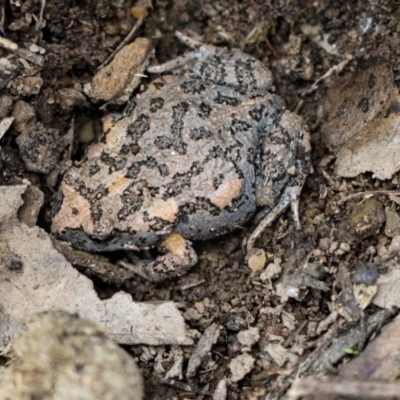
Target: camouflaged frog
x=200 y=150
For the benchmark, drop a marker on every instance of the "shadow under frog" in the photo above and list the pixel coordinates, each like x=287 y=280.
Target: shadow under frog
x=202 y=148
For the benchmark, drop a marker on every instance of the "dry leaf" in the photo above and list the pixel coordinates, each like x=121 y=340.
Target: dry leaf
x=362 y=125
x=379 y=360
x=35 y=277
x=388 y=294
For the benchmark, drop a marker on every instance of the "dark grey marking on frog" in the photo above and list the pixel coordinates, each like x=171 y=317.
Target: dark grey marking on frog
x=156 y=104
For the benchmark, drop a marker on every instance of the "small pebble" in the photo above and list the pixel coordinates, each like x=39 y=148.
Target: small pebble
x=257 y=260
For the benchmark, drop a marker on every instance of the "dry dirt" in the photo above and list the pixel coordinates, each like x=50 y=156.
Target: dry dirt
x=354 y=35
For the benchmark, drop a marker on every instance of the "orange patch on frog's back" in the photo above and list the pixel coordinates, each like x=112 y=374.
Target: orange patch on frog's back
x=166 y=210
x=226 y=192
x=74 y=212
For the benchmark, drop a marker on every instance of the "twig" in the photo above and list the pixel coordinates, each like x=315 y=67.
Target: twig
x=191 y=388
x=28 y=55
x=359 y=194
x=123 y=43
x=39 y=23
x=331 y=70
x=192 y=285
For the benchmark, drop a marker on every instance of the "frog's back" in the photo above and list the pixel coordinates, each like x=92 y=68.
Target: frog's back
x=182 y=161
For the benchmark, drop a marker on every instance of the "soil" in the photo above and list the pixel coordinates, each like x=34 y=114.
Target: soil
x=299 y=288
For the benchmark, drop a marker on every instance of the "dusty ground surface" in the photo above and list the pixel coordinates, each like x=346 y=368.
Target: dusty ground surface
x=78 y=36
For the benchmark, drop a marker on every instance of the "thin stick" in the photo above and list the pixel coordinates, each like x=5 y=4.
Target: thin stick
x=124 y=42
x=335 y=68
x=39 y=23
x=359 y=194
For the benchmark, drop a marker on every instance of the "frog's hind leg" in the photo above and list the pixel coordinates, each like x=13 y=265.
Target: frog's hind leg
x=267 y=216
x=177 y=260
x=295 y=161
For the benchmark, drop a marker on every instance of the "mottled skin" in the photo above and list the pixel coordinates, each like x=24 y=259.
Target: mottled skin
x=197 y=154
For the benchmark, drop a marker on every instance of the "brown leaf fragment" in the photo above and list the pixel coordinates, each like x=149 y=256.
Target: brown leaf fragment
x=203 y=347
x=375 y=148
x=362 y=120
x=388 y=295
x=116 y=81
x=379 y=361
x=351 y=337
x=358 y=101
x=33 y=200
